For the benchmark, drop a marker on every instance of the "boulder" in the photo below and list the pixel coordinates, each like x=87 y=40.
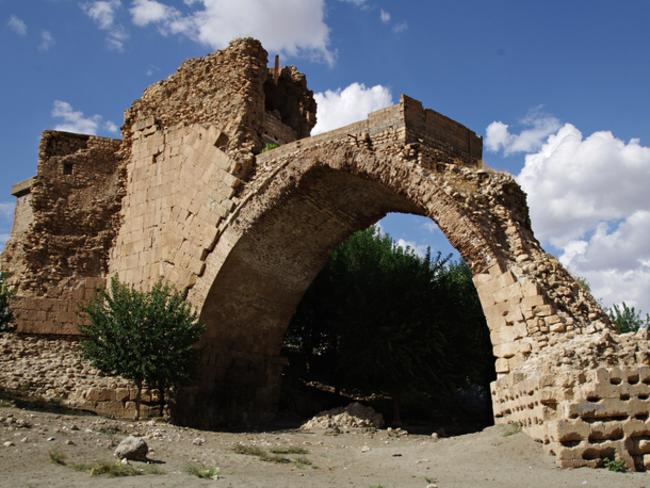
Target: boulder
x=132 y=448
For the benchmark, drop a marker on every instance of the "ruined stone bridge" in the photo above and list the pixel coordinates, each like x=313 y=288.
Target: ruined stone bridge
x=188 y=196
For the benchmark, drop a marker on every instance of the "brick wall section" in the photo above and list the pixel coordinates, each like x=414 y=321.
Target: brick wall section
x=60 y=259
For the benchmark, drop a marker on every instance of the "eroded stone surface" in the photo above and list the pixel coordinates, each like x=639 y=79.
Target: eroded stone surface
x=244 y=234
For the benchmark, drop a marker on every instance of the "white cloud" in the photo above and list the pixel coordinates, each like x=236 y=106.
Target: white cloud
x=400 y=27
x=337 y=108
x=17 y=25
x=6 y=211
x=75 y=121
x=110 y=126
x=47 y=41
x=589 y=198
x=384 y=16
x=537 y=127
x=431 y=226
x=145 y=12
x=290 y=27
x=419 y=249
x=103 y=13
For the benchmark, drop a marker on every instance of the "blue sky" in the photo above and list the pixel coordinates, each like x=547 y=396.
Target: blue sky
x=560 y=89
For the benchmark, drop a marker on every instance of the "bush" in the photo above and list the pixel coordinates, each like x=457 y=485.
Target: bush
x=146 y=337
x=6 y=293
x=627 y=319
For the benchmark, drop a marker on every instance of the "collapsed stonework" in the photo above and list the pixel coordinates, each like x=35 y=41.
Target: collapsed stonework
x=188 y=196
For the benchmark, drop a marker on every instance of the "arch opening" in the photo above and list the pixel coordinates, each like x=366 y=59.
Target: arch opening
x=270 y=264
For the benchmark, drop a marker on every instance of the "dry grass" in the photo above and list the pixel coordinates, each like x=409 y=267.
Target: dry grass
x=278 y=455
x=203 y=472
x=98 y=468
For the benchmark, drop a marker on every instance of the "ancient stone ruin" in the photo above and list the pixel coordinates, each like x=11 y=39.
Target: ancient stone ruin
x=189 y=196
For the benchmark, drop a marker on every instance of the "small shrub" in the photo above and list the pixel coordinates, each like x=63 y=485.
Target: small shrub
x=146 y=337
x=615 y=465
x=203 y=472
x=627 y=319
x=6 y=317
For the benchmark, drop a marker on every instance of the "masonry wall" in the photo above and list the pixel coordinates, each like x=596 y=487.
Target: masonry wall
x=436 y=131
x=65 y=225
x=180 y=188
x=23 y=215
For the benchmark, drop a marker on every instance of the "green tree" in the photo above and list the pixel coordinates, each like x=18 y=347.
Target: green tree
x=6 y=293
x=627 y=319
x=381 y=319
x=146 y=337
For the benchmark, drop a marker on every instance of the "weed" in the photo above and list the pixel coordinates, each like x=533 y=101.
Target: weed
x=289 y=450
x=203 y=472
x=615 y=465
x=249 y=450
x=302 y=462
x=276 y=455
x=57 y=457
x=510 y=429
x=112 y=469
x=110 y=430
x=268 y=147
x=5 y=403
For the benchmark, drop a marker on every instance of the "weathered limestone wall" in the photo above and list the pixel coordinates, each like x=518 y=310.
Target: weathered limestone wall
x=66 y=218
x=51 y=369
x=23 y=214
x=180 y=187
x=585 y=399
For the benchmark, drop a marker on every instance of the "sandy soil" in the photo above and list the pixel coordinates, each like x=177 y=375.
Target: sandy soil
x=484 y=459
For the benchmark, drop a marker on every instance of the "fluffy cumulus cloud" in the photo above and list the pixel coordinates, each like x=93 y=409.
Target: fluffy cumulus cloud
x=75 y=121
x=17 y=25
x=104 y=13
x=340 y=107
x=589 y=199
x=384 y=16
x=536 y=127
x=290 y=27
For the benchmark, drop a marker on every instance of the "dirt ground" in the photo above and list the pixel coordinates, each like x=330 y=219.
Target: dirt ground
x=484 y=459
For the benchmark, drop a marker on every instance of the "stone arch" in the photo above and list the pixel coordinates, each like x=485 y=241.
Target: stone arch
x=318 y=192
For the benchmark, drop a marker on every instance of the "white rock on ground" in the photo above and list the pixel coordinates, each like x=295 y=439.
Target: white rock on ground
x=133 y=448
